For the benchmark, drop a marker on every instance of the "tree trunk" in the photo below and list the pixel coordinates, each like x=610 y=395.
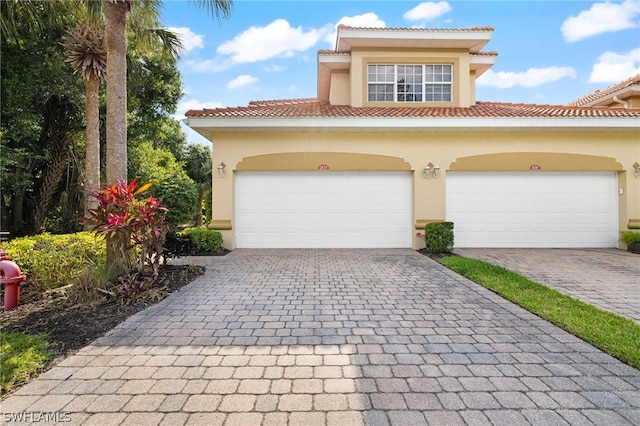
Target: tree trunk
x=92 y=156
x=115 y=14
x=116 y=43
x=201 y=193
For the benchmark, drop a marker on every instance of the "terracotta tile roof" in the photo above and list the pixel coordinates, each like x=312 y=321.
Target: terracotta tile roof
x=309 y=107
x=486 y=28
x=334 y=52
x=598 y=94
x=491 y=53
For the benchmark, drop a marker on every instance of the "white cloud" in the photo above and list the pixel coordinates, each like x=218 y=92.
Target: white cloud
x=278 y=39
x=274 y=68
x=189 y=39
x=533 y=77
x=215 y=64
x=613 y=67
x=367 y=20
x=601 y=18
x=427 y=11
x=193 y=104
x=241 y=81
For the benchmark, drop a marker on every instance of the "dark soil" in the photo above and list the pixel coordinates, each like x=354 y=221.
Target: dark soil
x=434 y=256
x=71 y=327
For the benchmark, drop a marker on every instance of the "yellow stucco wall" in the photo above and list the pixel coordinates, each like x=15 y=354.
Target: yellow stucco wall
x=360 y=58
x=339 y=92
x=601 y=151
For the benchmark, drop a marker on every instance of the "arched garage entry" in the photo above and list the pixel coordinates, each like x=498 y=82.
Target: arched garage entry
x=323 y=200
x=533 y=200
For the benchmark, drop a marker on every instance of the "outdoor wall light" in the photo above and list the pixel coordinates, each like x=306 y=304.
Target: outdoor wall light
x=637 y=167
x=432 y=170
x=221 y=167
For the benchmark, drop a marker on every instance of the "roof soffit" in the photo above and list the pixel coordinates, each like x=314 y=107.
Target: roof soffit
x=473 y=40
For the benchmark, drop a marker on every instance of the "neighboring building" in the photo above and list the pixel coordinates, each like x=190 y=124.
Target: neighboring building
x=396 y=139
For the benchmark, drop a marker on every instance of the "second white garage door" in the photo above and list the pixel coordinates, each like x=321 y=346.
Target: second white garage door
x=541 y=209
x=323 y=209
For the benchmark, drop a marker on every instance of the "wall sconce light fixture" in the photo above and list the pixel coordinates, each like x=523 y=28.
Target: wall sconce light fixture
x=637 y=167
x=221 y=167
x=431 y=169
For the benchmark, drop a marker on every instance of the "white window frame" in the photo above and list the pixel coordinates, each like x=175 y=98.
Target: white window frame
x=445 y=70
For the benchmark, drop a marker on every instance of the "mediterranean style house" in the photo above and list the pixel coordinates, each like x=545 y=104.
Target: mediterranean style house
x=396 y=139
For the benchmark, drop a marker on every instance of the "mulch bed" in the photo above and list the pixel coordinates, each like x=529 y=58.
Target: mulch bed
x=71 y=327
x=434 y=256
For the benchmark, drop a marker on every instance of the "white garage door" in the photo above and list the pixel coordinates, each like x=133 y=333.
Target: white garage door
x=322 y=209
x=541 y=209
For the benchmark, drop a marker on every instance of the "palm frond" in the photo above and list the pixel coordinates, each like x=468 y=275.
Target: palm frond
x=17 y=16
x=216 y=8
x=170 y=41
x=86 y=51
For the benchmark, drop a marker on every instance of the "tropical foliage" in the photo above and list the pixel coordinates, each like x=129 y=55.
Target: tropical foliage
x=49 y=156
x=135 y=228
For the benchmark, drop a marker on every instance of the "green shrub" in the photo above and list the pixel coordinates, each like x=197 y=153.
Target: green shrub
x=630 y=237
x=208 y=207
x=438 y=237
x=176 y=245
x=204 y=240
x=180 y=196
x=51 y=261
x=171 y=184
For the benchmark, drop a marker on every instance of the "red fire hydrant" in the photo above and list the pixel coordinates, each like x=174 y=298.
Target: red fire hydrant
x=10 y=278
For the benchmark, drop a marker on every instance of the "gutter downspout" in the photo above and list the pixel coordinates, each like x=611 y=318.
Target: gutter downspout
x=625 y=104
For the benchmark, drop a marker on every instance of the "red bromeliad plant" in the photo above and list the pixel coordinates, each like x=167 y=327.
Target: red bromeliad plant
x=133 y=228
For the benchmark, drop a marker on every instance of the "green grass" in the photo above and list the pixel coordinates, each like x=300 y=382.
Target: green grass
x=22 y=357
x=613 y=334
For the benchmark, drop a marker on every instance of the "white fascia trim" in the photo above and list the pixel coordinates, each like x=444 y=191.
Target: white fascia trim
x=414 y=123
x=484 y=60
x=404 y=34
x=343 y=59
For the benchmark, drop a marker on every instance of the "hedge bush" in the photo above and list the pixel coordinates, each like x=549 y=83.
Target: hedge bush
x=192 y=241
x=204 y=240
x=51 y=261
x=438 y=237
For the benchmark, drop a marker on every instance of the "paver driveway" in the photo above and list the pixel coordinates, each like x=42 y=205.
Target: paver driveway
x=606 y=278
x=335 y=337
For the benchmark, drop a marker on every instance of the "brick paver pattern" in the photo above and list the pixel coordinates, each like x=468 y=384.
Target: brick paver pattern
x=606 y=278
x=335 y=337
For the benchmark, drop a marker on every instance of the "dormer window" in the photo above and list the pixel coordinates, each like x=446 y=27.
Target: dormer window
x=409 y=83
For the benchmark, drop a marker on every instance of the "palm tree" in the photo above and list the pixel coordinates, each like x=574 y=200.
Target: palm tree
x=198 y=166
x=86 y=52
x=115 y=14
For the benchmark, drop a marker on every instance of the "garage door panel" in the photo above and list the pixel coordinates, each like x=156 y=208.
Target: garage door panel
x=323 y=209
x=555 y=209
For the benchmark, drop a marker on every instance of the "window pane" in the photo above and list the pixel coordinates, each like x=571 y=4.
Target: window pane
x=407 y=76
x=380 y=92
x=438 y=73
x=438 y=93
x=380 y=73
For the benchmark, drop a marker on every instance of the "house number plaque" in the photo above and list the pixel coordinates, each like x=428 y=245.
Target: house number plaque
x=323 y=167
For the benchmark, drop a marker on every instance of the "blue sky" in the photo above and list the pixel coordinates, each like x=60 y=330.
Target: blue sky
x=549 y=52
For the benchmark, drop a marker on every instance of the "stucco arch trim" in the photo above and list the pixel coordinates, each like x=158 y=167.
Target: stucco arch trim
x=543 y=161
x=330 y=161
